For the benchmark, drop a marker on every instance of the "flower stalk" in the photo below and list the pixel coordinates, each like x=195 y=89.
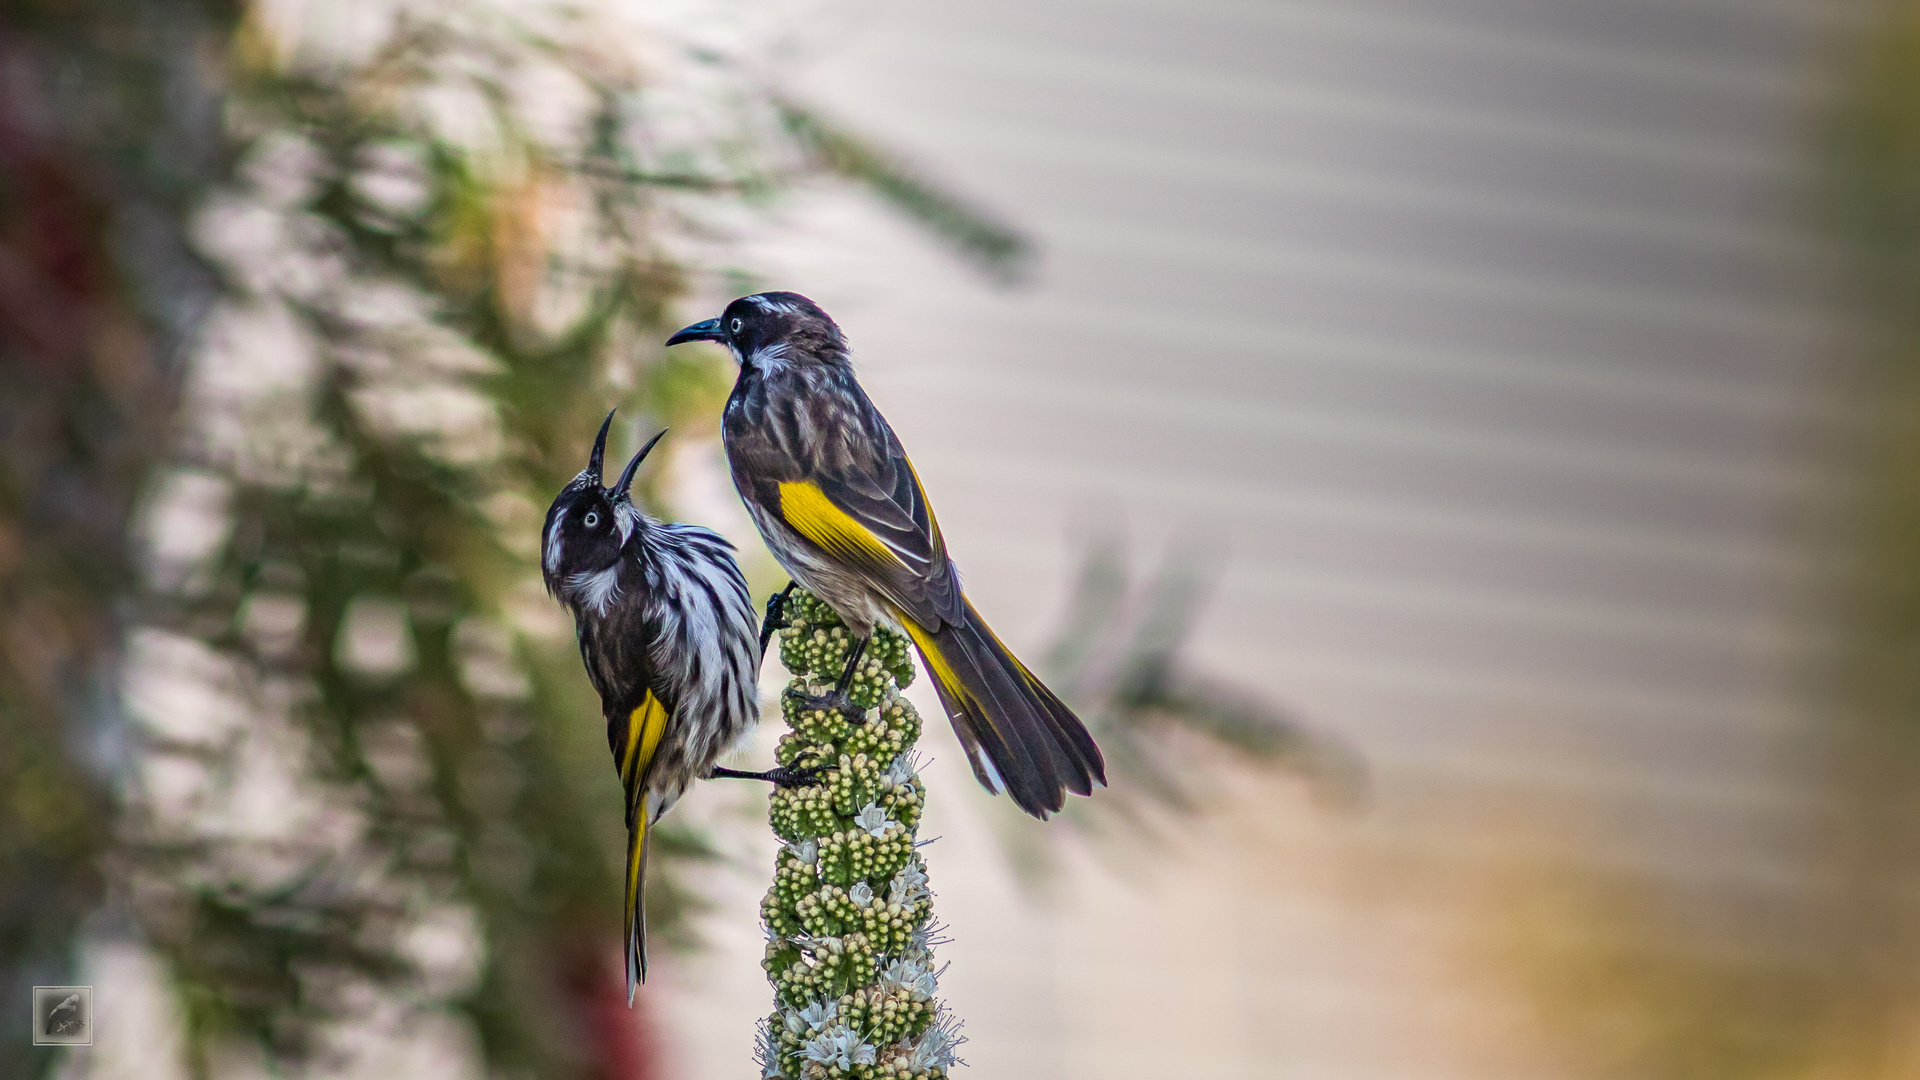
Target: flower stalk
x=848 y=920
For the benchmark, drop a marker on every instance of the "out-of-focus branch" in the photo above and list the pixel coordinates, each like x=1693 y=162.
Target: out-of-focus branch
x=994 y=246
x=1162 y=725
x=1122 y=653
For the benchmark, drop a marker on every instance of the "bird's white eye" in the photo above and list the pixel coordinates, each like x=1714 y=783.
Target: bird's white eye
x=737 y=324
x=592 y=519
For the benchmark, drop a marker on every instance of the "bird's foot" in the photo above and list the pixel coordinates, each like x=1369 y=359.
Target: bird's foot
x=833 y=700
x=784 y=776
x=775 y=620
x=792 y=776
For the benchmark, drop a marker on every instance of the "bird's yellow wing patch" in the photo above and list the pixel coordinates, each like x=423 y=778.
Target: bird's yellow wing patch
x=805 y=507
x=937 y=665
x=645 y=726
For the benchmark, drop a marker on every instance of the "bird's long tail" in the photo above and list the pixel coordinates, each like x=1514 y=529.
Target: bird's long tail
x=1019 y=737
x=633 y=746
x=636 y=921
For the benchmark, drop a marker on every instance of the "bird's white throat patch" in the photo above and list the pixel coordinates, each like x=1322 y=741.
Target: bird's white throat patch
x=770 y=357
x=597 y=590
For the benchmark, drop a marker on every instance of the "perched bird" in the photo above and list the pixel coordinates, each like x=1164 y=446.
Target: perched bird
x=837 y=501
x=65 y=1019
x=668 y=635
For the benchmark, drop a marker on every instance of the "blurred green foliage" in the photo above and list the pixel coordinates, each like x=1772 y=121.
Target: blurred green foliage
x=421 y=266
x=1172 y=733
x=108 y=132
x=1870 y=827
x=1163 y=725
x=300 y=334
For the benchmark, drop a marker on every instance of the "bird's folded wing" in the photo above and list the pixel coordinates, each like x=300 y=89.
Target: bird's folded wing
x=634 y=744
x=877 y=520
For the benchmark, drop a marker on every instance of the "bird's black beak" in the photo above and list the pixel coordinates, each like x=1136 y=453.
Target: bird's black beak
x=599 y=457
x=700 y=331
x=626 y=476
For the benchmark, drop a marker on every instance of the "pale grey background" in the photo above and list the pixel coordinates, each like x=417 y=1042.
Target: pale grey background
x=1481 y=338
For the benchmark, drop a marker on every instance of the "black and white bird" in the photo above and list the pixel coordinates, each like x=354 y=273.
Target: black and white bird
x=838 y=503
x=670 y=640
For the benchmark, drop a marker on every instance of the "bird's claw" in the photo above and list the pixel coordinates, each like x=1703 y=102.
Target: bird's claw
x=831 y=701
x=774 y=621
x=792 y=776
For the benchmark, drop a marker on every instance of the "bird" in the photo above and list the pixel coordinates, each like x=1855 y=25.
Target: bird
x=65 y=1019
x=838 y=503
x=669 y=637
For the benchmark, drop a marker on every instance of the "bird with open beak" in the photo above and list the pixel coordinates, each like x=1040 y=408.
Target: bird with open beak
x=670 y=640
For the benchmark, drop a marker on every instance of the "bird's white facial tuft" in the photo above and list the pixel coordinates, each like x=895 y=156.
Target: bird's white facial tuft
x=553 y=543
x=770 y=357
x=596 y=590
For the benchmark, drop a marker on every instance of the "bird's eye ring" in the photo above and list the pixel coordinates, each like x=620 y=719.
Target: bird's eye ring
x=737 y=324
x=591 y=520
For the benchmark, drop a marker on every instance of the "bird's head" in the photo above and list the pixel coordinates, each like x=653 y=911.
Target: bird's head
x=588 y=525
x=772 y=328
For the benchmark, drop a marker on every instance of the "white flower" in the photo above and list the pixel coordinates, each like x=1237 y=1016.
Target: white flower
x=873 y=819
x=920 y=943
x=909 y=886
x=819 y=945
x=912 y=974
x=935 y=1049
x=765 y=1052
x=815 y=1016
x=807 y=851
x=839 y=1047
x=902 y=771
x=861 y=894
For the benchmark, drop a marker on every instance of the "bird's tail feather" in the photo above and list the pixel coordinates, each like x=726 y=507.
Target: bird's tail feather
x=636 y=922
x=1019 y=737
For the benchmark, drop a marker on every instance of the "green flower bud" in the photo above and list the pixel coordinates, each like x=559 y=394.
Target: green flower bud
x=849 y=952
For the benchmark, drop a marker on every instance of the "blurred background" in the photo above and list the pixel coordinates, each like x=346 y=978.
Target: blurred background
x=1463 y=458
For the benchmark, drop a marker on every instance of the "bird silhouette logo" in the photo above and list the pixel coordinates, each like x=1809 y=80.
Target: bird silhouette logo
x=64 y=1015
x=65 y=1019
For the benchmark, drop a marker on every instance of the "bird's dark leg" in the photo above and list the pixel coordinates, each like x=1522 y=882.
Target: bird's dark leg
x=784 y=776
x=837 y=698
x=775 y=620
